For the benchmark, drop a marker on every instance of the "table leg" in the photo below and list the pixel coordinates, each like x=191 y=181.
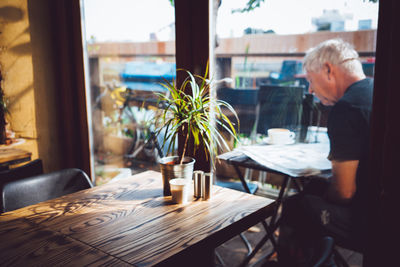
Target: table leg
x=279 y=199
x=271 y=228
x=241 y=177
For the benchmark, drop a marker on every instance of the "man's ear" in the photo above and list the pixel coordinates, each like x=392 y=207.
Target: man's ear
x=328 y=69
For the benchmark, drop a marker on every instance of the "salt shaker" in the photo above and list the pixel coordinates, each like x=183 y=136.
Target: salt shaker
x=197 y=181
x=206 y=185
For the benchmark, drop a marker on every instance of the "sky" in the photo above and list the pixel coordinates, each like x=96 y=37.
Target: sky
x=134 y=20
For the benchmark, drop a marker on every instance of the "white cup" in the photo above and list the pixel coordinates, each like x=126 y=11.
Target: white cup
x=179 y=190
x=280 y=136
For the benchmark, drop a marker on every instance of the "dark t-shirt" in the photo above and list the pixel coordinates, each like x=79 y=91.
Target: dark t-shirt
x=348 y=130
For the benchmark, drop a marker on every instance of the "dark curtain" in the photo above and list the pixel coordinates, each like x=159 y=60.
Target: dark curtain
x=385 y=143
x=71 y=97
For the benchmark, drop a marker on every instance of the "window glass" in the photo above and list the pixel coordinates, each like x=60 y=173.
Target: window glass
x=261 y=50
x=129 y=52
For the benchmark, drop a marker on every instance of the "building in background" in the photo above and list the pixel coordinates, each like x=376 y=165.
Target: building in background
x=331 y=20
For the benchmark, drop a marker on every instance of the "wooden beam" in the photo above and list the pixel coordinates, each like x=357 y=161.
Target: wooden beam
x=192 y=53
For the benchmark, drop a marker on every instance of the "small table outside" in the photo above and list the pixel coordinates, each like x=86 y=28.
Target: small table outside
x=292 y=161
x=128 y=222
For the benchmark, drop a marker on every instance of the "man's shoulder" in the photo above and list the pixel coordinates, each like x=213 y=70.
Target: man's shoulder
x=356 y=104
x=358 y=95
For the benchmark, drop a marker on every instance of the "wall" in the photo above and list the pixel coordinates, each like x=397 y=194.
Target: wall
x=45 y=83
x=17 y=70
x=28 y=66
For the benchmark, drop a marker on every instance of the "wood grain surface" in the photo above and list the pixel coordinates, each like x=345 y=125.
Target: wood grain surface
x=127 y=222
x=13 y=154
x=23 y=244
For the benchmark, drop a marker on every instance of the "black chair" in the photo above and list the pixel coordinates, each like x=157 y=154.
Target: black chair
x=34 y=167
x=324 y=255
x=31 y=190
x=243 y=100
x=283 y=106
x=279 y=106
x=346 y=244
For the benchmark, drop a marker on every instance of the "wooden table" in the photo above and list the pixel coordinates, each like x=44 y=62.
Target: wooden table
x=128 y=222
x=11 y=155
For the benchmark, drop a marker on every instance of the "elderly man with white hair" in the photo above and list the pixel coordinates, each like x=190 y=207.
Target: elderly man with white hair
x=334 y=206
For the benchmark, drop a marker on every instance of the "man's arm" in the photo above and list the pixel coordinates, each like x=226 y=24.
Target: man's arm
x=343 y=181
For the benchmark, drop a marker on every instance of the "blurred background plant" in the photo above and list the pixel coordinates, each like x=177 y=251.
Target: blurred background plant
x=3 y=113
x=125 y=127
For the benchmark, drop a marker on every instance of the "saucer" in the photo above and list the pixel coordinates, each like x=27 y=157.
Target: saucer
x=267 y=141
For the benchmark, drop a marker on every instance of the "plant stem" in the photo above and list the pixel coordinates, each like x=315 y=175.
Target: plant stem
x=185 y=146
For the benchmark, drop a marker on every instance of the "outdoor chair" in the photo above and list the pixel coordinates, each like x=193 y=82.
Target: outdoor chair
x=282 y=106
x=279 y=106
x=243 y=100
x=346 y=244
x=325 y=252
x=31 y=190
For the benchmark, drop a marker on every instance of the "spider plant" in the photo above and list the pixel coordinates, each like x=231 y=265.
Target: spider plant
x=189 y=110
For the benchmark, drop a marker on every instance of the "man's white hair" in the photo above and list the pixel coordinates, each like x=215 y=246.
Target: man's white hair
x=336 y=52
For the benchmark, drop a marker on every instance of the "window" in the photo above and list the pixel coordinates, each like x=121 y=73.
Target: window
x=264 y=48
x=129 y=52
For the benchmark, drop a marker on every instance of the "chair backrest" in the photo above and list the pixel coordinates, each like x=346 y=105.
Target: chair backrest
x=244 y=101
x=31 y=190
x=279 y=107
x=34 y=167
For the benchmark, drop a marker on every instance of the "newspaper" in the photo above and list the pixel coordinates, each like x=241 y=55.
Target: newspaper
x=295 y=160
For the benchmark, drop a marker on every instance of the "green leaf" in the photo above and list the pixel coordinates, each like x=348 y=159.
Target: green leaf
x=188 y=108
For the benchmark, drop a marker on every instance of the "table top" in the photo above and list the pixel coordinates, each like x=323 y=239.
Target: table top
x=295 y=160
x=11 y=154
x=128 y=222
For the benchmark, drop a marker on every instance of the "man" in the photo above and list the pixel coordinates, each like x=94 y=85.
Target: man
x=334 y=206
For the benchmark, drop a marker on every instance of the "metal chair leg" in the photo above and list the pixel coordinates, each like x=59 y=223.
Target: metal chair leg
x=246 y=243
x=219 y=259
x=339 y=260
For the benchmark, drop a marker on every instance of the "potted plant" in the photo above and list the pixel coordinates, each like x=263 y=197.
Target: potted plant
x=189 y=110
